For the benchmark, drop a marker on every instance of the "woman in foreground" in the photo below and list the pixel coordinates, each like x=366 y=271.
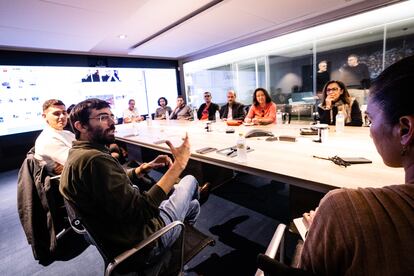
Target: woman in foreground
x=371 y=231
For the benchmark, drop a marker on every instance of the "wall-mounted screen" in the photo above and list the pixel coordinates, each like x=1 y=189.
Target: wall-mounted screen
x=23 y=90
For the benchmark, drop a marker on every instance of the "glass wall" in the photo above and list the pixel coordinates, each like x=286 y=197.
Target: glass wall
x=295 y=67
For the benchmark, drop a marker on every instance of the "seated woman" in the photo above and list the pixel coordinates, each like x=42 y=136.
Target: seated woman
x=263 y=110
x=161 y=111
x=336 y=97
x=370 y=231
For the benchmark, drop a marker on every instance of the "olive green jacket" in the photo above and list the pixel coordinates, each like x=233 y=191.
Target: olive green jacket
x=119 y=214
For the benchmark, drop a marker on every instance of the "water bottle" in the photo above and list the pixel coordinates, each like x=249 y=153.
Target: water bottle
x=167 y=115
x=149 y=120
x=217 y=116
x=340 y=122
x=241 y=148
x=279 y=119
x=134 y=128
x=195 y=115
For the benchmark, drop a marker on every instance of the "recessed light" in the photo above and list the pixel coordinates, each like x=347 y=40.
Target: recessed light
x=122 y=36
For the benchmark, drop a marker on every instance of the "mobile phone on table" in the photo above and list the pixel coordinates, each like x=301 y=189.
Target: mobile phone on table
x=356 y=160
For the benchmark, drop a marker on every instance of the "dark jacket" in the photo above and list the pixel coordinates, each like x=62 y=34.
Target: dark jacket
x=328 y=116
x=38 y=202
x=119 y=214
x=211 y=111
x=237 y=111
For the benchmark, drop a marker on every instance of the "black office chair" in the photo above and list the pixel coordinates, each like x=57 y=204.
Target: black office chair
x=269 y=266
x=171 y=262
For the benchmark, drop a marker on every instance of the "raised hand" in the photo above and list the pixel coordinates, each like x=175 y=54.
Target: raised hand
x=182 y=153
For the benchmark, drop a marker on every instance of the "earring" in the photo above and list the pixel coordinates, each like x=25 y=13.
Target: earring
x=404 y=150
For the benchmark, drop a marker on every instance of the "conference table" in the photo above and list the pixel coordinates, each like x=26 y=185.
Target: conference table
x=288 y=162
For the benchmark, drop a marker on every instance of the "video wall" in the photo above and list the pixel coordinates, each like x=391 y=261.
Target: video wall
x=24 y=89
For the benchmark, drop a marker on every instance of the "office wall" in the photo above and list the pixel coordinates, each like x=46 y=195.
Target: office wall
x=13 y=148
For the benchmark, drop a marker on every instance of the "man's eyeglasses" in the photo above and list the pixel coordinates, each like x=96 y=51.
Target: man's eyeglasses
x=207 y=96
x=104 y=117
x=334 y=89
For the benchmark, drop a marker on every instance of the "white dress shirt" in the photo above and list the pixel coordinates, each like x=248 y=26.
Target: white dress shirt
x=53 y=146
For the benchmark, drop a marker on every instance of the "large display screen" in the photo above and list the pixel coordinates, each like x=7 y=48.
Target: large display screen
x=24 y=89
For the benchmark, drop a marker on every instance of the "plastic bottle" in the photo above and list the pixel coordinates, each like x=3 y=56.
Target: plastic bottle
x=279 y=119
x=340 y=122
x=217 y=116
x=134 y=127
x=241 y=148
x=167 y=115
x=149 y=120
x=195 y=115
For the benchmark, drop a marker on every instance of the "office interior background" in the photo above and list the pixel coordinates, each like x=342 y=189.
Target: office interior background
x=142 y=50
x=280 y=54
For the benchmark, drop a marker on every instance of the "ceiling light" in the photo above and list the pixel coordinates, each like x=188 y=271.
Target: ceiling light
x=122 y=36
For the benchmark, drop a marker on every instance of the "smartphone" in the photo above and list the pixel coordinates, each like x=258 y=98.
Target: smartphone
x=356 y=160
x=205 y=150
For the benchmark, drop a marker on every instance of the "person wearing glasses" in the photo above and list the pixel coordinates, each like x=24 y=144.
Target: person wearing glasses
x=208 y=109
x=120 y=214
x=263 y=110
x=336 y=97
x=351 y=226
x=53 y=144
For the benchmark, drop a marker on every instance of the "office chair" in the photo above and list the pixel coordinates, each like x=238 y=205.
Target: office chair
x=268 y=265
x=171 y=262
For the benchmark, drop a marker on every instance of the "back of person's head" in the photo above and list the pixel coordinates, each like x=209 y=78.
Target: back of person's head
x=52 y=102
x=267 y=96
x=69 y=109
x=393 y=90
x=82 y=111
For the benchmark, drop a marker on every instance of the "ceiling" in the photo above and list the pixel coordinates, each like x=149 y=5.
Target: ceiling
x=172 y=29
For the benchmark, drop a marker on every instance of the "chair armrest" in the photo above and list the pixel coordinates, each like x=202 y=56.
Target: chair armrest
x=277 y=239
x=273 y=267
x=274 y=245
x=123 y=256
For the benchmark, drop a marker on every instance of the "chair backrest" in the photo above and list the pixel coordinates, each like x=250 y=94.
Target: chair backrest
x=81 y=227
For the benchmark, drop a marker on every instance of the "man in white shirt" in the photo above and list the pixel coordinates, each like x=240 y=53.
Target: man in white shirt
x=53 y=144
x=131 y=113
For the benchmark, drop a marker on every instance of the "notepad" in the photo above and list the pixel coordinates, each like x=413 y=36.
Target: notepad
x=300 y=225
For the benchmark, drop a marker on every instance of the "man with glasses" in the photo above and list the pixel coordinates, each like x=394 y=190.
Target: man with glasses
x=208 y=109
x=232 y=110
x=53 y=144
x=121 y=215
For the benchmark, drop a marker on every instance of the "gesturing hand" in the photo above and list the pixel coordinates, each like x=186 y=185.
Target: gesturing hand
x=158 y=162
x=182 y=153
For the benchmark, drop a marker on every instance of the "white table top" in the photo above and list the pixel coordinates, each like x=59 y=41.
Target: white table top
x=289 y=162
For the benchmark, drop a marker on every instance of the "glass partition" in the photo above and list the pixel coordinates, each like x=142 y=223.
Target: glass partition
x=399 y=41
x=354 y=58
x=216 y=80
x=295 y=67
